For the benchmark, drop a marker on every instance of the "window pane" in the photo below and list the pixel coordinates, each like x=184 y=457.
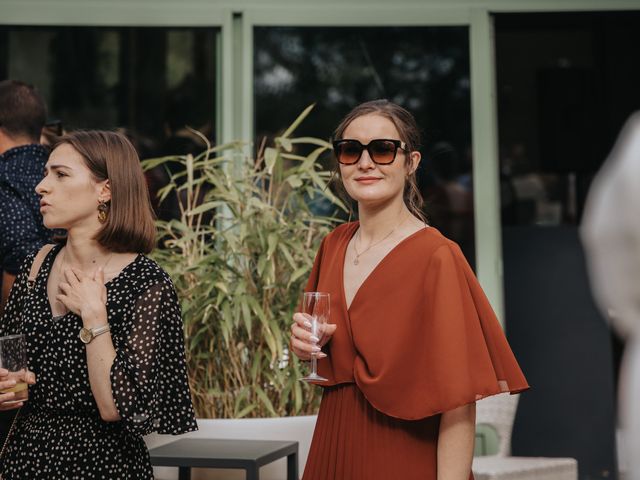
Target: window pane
x=150 y=82
x=561 y=106
x=424 y=69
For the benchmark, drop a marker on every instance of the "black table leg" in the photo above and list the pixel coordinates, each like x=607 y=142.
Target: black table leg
x=252 y=472
x=292 y=466
x=184 y=473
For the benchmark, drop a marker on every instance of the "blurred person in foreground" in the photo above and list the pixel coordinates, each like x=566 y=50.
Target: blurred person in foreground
x=22 y=159
x=102 y=323
x=611 y=234
x=412 y=341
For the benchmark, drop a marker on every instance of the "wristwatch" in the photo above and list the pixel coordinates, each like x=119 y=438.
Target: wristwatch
x=88 y=334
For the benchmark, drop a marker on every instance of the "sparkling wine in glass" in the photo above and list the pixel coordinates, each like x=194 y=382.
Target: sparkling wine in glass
x=13 y=357
x=316 y=306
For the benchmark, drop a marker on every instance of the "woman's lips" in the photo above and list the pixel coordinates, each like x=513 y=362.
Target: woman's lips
x=367 y=180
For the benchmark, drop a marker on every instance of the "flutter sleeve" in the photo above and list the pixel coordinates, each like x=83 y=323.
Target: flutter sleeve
x=149 y=376
x=445 y=351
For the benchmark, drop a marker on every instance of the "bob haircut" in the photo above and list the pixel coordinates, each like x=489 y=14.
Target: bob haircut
x=130 y=225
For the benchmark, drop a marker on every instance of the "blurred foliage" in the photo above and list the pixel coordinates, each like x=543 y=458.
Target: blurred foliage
x=239 y=256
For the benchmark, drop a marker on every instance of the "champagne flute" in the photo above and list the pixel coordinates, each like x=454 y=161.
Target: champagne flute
x=316 y=306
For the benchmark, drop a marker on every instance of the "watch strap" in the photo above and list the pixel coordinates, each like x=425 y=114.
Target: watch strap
x=100 y=330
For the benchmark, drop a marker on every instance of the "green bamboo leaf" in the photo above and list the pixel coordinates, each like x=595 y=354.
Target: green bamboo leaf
x=286 y=143
x=293 y=156
x=151 y=163
x=270 y=157
x=294 y=181
x=297 y=274
x=222 y=287
x=298 y=121
x=264 y=399
x=297 y=397
x=245 y=411
x=272 y=243
x=190 y=172
x=287 y=255
x=246 y=313
x=312 y=141
x=205 y=207
x=312 y=158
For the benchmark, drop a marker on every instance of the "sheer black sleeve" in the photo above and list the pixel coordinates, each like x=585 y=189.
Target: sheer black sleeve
x=149 y=375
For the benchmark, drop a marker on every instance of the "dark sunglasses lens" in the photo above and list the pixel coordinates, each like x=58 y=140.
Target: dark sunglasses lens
x=348 y=152
x=382 y=151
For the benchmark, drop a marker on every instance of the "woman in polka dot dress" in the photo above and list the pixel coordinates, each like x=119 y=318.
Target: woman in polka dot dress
x=102 y=324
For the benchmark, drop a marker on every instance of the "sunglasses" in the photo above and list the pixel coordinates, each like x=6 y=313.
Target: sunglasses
x=381 y=151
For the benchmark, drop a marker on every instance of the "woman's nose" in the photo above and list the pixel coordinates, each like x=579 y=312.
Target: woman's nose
x=365 y=162
x=41 y=187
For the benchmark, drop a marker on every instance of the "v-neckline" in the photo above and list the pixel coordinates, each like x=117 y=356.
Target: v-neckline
x=373 y=271
x=45 y=280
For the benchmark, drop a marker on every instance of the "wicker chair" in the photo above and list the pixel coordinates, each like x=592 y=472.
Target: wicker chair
x=499 y=412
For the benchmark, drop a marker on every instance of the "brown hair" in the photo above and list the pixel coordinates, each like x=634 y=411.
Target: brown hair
x=22 y=110
x=409 y=134
x=110 y=156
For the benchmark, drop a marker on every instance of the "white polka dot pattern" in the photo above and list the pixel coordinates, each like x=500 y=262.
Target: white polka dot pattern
x=59 y=434
x=21 y=227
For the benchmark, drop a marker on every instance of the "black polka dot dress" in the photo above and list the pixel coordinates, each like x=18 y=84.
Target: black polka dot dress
x=59 y=433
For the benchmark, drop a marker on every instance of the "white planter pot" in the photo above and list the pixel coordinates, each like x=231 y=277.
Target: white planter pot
x=298 y=429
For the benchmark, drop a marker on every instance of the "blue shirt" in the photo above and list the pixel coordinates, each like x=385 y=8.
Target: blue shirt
x=21 y=227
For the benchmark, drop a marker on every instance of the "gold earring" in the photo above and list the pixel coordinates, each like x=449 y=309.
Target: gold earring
x=103 y=211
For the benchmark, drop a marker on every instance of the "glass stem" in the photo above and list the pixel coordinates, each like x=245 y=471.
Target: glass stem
x=314 y=364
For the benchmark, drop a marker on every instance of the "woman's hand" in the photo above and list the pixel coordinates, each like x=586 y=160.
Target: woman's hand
x=13 y=400
x=83 y=294
x=303 y=343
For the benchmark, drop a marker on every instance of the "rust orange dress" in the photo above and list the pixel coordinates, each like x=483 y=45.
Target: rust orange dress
x=418 y=339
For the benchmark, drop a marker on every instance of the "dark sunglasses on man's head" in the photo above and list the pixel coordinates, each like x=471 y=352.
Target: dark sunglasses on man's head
x=381 y=150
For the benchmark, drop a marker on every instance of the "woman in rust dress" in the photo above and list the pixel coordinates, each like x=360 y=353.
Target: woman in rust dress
x=413 y=341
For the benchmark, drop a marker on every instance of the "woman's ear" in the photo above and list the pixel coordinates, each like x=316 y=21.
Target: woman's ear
x=414 y=161
x=105 y=191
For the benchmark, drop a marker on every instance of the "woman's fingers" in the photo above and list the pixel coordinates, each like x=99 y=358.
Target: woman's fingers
x=6 y=397
x=303 y=334
x=303 y=320
x=6 y=384
x=72 y=276
x=22 y=395
x=9 y=406
x=329 y=329
x=63 y=299
x=30 y=377
x=300 y=346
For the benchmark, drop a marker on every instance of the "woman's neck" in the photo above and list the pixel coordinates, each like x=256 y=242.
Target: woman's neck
x=376 y=222
x=83 y=252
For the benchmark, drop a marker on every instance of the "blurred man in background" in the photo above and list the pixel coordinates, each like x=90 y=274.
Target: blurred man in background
x=22 y=159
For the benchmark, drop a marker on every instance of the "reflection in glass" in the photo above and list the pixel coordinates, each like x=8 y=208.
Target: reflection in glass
x=150 y=82
x=560 y=107
x=424 y=69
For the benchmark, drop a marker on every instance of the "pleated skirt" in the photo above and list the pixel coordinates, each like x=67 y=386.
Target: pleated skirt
x=354 y=441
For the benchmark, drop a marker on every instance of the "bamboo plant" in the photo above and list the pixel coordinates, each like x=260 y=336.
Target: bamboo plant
x=239 y=256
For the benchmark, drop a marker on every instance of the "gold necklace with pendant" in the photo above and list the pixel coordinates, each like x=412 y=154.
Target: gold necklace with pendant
x=356 y=260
